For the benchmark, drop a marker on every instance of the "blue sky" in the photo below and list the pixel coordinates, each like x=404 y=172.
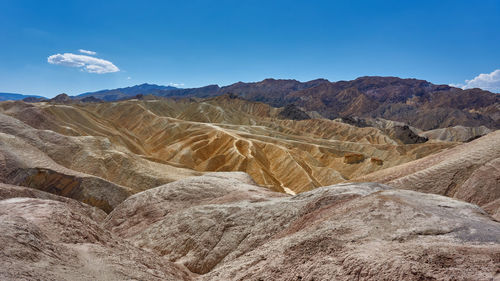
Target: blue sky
x=196 y=43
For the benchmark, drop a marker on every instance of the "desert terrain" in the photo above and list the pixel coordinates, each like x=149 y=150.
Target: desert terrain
x=225 y=187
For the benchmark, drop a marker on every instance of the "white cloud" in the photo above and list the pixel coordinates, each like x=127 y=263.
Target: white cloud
x=485 y=81
x=128 y=78
x=87 y=52
x=176 y=84
x=86 y=63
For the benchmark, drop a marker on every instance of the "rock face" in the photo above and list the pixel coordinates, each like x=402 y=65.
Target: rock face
x=408 y=136
x=469 y=172
x=398 y=131
x=225 y=228
x=293 y=112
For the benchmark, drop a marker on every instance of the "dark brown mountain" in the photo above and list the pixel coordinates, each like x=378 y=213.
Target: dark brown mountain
x=91 y=99
x=272 y=91
x=418 y=103
x=292 y=112
x=61 y=98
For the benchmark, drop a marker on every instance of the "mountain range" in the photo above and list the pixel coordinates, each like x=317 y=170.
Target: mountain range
x=121 y=93
x=415 y=102
x=11 y=96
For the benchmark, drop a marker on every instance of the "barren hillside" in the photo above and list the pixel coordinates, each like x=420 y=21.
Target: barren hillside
x=154 y=139
x=147 y=190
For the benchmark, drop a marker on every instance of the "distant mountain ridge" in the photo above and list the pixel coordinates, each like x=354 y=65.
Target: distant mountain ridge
x=418 y=103
x=127 y=92
x=12 y=96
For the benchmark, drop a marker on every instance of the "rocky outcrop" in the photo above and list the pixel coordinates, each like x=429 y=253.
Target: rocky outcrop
x=377 y=161
x=353 y=158
x=292 y=112
x=61 y=98
x=406 y=135
x=398 y=131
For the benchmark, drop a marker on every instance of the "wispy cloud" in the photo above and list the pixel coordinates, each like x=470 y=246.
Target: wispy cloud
x=176 y=84
x=87 y=52
x=485 y=81
x=86 y=63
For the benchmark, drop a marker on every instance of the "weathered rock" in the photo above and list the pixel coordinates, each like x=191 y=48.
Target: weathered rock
x=353 y=158
x=406 y=135
x=292 y=112
x=377 y=161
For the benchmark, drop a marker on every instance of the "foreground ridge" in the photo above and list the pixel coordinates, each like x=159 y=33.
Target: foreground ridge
x=221 y=226
x=469 y=172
